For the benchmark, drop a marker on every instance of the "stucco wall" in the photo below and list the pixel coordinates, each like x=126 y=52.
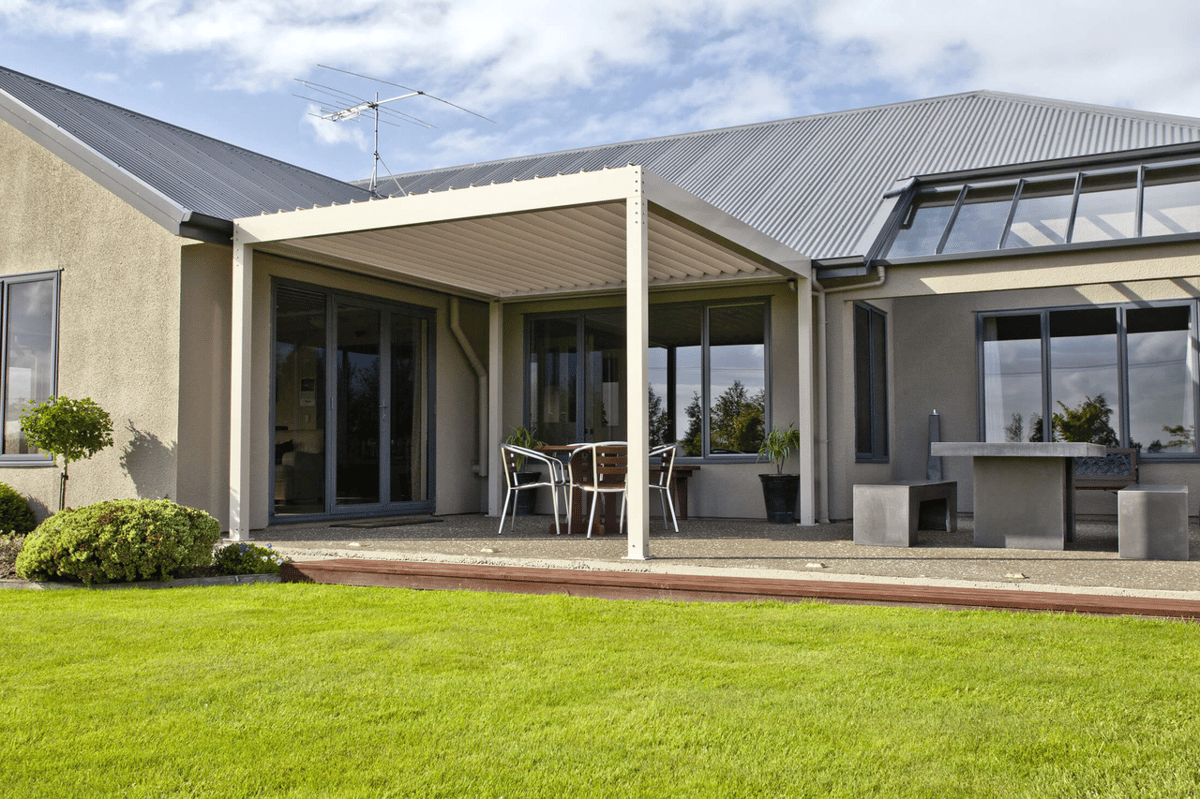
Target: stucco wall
x=118 y=319
x=932 y=352
x=718 y=489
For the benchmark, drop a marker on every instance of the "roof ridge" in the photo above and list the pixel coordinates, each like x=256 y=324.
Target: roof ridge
x=976 y=93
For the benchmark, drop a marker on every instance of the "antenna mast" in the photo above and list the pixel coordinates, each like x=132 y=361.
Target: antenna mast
x=341 y=112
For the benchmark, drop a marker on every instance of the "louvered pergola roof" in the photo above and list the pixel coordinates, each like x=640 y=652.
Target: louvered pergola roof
x=535 y=238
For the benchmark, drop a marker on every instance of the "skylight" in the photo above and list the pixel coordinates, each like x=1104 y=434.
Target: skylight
x=1111 y=204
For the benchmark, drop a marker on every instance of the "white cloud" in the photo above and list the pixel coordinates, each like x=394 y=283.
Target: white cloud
x=330 y=132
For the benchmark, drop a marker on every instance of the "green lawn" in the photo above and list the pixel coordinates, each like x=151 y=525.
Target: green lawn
x=304 y=690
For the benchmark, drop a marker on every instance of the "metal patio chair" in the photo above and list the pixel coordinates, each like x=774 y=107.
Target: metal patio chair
x=513 y=459
x=599 y=468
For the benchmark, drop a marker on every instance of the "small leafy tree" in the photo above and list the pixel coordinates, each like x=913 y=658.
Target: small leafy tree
x=67 y=428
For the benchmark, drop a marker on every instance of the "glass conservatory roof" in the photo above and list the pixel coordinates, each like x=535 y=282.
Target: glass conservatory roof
x=1109 y=204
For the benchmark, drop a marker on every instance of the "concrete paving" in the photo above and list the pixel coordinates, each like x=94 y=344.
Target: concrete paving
x=749 y=548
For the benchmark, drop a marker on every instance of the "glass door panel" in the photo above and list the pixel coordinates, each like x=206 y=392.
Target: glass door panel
x=1012 y=378
x=604 y=343
x=359 y=400
x=299 y=402
x=1084 y=380
x=409 y=418
x=553 y=376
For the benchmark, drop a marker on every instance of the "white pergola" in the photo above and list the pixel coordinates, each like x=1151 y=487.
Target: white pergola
x=606 y=231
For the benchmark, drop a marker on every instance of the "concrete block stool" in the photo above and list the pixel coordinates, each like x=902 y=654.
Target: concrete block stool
x=1152 y=522
x=889 y=515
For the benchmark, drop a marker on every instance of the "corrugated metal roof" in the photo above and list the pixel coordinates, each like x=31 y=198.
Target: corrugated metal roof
x=199 y=173
x=813 y=182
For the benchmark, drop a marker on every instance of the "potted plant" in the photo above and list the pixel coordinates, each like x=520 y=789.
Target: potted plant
x=780 y=490
x=526 y=500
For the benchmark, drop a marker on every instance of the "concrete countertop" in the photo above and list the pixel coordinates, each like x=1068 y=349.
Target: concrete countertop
x=1032 y=449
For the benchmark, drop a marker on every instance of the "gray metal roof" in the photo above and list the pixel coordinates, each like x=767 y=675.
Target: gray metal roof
x=158 y=164
x=814 y=182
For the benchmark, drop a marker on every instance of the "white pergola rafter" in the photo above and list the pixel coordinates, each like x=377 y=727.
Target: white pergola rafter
x=526 y=240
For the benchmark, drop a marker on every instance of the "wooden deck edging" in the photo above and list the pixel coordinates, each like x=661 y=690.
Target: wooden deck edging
x=715 y=588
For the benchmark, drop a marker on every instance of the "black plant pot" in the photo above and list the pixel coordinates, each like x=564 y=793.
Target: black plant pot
x=527 y=500
x=780 y=493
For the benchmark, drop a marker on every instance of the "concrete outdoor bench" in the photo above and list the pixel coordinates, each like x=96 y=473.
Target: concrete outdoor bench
x=1152 y=522
x=890 y=514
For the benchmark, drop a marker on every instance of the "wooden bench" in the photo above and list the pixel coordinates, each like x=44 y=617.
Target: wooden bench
x=890 y=514
x=1113 y=471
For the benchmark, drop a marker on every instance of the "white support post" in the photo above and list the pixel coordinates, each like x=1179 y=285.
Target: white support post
x=637 y=341
x=240 y=394
x=807 y=405
x=495 y=409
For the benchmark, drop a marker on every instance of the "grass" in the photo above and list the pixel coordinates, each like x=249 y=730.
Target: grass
x=304 y=690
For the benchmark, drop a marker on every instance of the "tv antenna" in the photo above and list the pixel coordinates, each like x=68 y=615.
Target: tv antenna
x=343 y=106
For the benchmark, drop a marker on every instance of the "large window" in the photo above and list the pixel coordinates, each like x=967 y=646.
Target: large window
x=30 y=348
x=708 y=376
x=870 y=384
x=1121 y=376
x=1101 y=205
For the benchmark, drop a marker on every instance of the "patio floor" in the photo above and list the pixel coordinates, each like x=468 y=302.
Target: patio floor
x=756 y=549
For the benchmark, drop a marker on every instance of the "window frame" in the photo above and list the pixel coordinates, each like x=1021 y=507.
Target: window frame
x=1124 y=420
x=876 y=393
x=705 y=306
x=55 y=278
x=923 y=188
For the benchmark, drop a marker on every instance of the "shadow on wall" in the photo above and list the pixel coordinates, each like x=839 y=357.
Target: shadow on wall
x=142 y=458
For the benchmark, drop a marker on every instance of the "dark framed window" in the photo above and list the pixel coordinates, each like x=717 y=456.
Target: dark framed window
x=870 y=384
x=29 y=315
x=1100 y=205
x=708 y=369
x=1122 y=376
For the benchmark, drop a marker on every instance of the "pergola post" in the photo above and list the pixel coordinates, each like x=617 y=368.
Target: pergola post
x=240 y=394
x=637 y=342
x=495 y=404
x=804 y=388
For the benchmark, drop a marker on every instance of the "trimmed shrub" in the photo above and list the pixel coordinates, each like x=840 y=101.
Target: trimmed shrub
x=121 y=540
x=247 y=559
x=16 y=517
x=10 y=548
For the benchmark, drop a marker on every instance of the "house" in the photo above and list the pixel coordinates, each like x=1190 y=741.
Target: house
x=276 y=345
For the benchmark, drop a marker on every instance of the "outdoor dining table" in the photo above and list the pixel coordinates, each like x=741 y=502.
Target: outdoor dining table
x=611 y=524
x=1024 y=491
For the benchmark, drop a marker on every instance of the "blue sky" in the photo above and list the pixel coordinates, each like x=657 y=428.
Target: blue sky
x=558 y=75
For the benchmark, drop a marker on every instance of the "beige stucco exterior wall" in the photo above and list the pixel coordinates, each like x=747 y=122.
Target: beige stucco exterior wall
x=718 y=490
x=118 y=319
x=932 y=352
x=457 y=488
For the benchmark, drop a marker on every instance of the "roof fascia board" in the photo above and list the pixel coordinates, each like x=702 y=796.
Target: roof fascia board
x=536 y=194
x=155 y=205
x=710 y=221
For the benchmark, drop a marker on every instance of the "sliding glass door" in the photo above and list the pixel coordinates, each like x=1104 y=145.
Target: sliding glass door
x=351 y=431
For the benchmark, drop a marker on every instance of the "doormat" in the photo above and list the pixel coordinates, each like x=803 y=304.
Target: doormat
x=390 y=521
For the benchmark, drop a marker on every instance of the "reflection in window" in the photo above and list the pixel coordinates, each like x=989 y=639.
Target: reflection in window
x=980 y=219
x=707 y=369
x=29 y=353
x=1117 y=377
x=1012 y=378
x=1084 y=386
x=1160 y=379
x=1054 y=210
x=922 y=230
x=1170 y=202
x=1042 y=214
x=870 y=384
x=1106 y=208
x=299 y=401
x=737 y=388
